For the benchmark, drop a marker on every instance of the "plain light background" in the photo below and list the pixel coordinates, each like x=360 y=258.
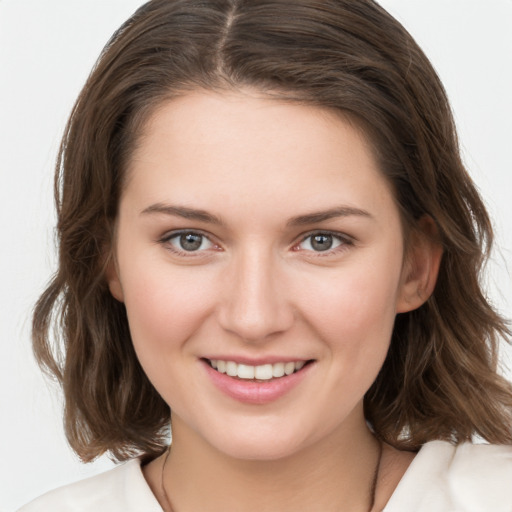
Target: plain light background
x=47 y=48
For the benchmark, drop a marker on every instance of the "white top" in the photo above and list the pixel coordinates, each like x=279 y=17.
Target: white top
x=441 y=478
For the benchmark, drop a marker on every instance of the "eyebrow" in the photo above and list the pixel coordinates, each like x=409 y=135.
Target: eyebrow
x=332 y=213
x=301 y=220
x=184 y=212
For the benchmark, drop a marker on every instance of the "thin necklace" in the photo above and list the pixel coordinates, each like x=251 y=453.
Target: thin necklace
x=373 y=488
x=168 y=507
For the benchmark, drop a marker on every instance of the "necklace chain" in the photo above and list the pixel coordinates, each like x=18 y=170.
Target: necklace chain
x=168 y=507
x=373 y=488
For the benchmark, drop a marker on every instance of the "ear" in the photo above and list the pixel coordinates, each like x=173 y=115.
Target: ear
x=112 y=277
x=421 y=266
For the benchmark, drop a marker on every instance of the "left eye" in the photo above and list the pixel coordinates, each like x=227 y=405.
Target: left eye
x=190 y=242
x=321 y=242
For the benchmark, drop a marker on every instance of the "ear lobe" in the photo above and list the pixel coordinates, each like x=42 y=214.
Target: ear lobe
x=113 y=281
x=421 y=266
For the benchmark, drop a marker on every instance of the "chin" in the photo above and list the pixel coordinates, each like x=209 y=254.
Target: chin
x=260 y=451
x=259 y=443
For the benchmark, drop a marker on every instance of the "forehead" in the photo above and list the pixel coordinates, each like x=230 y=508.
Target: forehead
x=214 y=147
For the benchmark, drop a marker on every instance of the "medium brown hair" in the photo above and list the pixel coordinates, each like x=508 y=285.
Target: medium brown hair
x=440 y=378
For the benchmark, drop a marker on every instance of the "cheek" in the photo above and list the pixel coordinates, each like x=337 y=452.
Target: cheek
x=164 y=308
x=356 y=327
x=165 y=311
x=354 y=310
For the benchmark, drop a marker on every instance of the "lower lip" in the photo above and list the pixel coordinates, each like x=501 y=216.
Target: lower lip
x=254 y=391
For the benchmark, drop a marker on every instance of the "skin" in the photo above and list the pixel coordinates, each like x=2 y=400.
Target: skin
x=258 y=289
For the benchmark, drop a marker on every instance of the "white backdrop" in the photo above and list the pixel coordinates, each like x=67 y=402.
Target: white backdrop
x=47 y=48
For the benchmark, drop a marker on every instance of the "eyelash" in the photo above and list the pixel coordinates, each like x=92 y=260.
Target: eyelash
x=344 y=241
x=167 y=239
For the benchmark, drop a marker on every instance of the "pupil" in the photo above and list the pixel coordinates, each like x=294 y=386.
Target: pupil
x=191 y=241
x=321 y=242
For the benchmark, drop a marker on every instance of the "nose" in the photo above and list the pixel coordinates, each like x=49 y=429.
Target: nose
x=255 y=303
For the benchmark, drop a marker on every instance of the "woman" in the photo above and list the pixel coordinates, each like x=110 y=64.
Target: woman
x=265 y=228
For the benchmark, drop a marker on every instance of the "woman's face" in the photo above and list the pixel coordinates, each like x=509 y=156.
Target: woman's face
x=258 y=237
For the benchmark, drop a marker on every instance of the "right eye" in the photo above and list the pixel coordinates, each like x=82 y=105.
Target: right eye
x=188 y=242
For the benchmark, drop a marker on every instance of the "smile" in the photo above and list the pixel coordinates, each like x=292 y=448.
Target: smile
x=260 y=372
x=257 y=384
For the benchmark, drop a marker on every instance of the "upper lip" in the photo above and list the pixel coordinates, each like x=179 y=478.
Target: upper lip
x=256 y=361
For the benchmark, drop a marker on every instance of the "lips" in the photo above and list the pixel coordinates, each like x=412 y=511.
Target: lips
x=256 y=384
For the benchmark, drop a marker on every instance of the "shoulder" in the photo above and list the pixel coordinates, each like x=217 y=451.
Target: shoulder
x=120 y=489
x=464 y=478
x=480 y=476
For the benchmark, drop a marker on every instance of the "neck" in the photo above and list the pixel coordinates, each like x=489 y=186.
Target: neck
x=334 y=474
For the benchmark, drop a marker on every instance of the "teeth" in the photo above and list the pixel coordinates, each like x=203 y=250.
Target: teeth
x=289 y=368
x=261 y=372
x=278 y=370
x=245 y=371
x=231 y=369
